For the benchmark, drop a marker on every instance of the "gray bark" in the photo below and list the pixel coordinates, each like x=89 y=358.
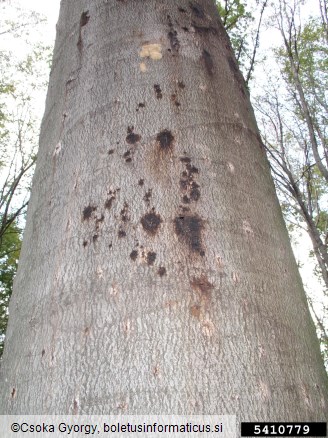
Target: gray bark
x=156 y=274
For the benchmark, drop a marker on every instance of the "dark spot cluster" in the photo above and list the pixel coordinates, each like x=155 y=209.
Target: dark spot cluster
x=87 y=212
x=208 y=62
x=151 y=257
x=127 y=156
x=147 y=196
x=151 y=222
x=121 y=233
x=189 y=230
x=174 y=100
x=189 y=187
x=164 y=140
x=125 y=213
x=158 y=91
x=110 y=199
x=132 y=138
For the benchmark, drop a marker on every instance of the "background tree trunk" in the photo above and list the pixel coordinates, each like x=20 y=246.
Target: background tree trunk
x=156 y=274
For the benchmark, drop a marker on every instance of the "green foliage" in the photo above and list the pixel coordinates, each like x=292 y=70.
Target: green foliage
x=10 y=245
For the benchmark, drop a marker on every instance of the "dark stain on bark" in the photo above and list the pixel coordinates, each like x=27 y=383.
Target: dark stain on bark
x=174 y=100
x=109 y=202
x=125 y=213
x=195 y=311
x=43 y=352
x=85 y=243
x=87 y=212
x=158 y=91
x=151 y=222
x=182 y=10
x=187 y=183
x=111 y=151
x=140 y=105
x=208 y=62
x=132 y=138
x=141 y=182
x=85 y=17
x=151 y=257
x=165 y=140
x=134 y=255
x=121 y=233
x=181 y=85
x=94 y=238
x=13 y=392
x=147 y=196
x=173 y=36
x=202 y=286
x=204 y=30
x=196 y=10
x=189 y=229
x=161 y=271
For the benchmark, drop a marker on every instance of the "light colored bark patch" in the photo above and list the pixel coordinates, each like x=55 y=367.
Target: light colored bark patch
x=143 y=67
x=152 y=51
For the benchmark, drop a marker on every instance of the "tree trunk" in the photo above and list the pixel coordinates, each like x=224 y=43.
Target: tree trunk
x=156 y=274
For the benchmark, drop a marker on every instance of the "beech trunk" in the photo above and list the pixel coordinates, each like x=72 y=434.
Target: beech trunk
x=156 y=274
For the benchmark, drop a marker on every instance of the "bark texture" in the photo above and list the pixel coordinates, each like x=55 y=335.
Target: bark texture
x=156 y=274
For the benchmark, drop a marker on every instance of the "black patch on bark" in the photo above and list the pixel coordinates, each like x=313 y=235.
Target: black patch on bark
x=111 y=151
x=94 y=238
x=208 y=62
x=121 y=233
x=194 y=192
x=134 y=255
x=165 y=140
x=181 y=85
x=151 y=257
x=13 y=392
x=141 y=182
x=158 y=91
x=125 y=213
x=189 y=228
x=182 y=10
x=204 y=30
x=132 y=138
x=197 y=10
x=151 y=222
x=85 y=243
x=85 y=17
x=187 y=183
x=185 y=160
x=87 y=212
x=161 y=271
x=109 y=202
x=43 y=352
x=147 y=196
x=140 y=105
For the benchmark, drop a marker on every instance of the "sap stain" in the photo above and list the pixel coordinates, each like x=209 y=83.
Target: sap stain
x=151 y=257
x=158 y=91
x=197 y=10
x=208 y=62
x=132 y=138
x=165 y=140
x=151 y=222
x=202 y=286
x=87 y=212
x=134 y=255
x=189 y=229
x=161 y=271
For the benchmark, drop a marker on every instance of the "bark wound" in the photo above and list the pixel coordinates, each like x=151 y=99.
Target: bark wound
x=151 y=222
x=165 y=140
x=87 y=212
x=189 y=229
x=208 y=62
